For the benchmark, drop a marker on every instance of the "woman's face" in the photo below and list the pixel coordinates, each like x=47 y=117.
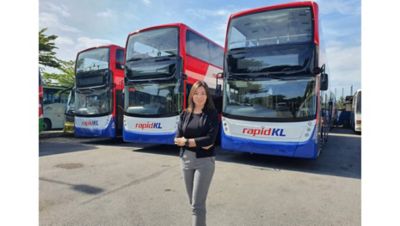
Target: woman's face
x=200 y=97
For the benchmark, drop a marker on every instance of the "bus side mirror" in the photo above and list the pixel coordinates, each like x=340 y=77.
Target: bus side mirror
x=324 y=82
x=318 y=70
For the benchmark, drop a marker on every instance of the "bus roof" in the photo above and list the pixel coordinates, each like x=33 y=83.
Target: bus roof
x=180 y=25
x=158 y=27
x=274 y=7
x=102 y=46
x=311 y=4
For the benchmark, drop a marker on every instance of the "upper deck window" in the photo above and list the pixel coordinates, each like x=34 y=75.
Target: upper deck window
x=204 y=49
x=153 y=43
x=283 y=26
x=93 y=60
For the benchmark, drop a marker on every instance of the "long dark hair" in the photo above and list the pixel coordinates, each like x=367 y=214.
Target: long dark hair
x=209 y=105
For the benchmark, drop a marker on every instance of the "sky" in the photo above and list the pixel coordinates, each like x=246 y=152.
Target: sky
x=81 y=24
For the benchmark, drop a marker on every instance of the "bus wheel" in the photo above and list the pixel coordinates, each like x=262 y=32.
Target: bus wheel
x=46 y=124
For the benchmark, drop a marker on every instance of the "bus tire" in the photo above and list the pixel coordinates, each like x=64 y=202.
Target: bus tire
x=46 y=124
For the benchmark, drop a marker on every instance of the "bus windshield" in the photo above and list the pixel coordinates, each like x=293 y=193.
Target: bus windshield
x=283 y=26
x=152 y=54
x=93 y=101
x=271 y=41
x=93 y=60
x=92 y=68
x=153 y=99
x=282 y=99
x=154 y=43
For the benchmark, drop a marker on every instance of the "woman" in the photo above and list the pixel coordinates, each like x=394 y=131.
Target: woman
x=197 y=131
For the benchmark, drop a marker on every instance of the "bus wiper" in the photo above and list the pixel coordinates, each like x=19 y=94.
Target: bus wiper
x=162 y=59
x=134 y=59
x=85 y=91
x=256 y=75
x=272 y=76
x=237 y=49
x=286 y=76
x=279 y=68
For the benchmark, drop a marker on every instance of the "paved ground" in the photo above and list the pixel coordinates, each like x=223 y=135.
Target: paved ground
x=102 y=182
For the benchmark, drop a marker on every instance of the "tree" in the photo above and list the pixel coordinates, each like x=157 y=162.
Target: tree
x=47 y=56
x=340 y=104
x=66 y=78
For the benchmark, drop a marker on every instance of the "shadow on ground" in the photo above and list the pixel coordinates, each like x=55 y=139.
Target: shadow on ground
x=68 y=143
x=83 y=188
x=340 y=157
x=53 y=148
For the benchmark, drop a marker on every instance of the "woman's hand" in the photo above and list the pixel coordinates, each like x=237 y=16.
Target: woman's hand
x=180 y=141
x=207 y=147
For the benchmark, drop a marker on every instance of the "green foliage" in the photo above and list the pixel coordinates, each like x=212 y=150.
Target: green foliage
x=340 y=103
x=64 y=79
x=47 y=56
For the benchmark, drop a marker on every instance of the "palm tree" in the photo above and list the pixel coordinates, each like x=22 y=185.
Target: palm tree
x=64 y=79
x=47 y=56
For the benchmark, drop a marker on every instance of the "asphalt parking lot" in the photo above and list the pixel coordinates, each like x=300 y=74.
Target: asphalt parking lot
x=108 y=182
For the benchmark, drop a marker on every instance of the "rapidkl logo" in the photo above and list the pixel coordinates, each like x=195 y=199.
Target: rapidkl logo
x=90 y=123
x=264 y=132
x=149 y=125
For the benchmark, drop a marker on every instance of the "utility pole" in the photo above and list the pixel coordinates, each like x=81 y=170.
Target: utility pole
x=335 y=93
x=343 y=93
x=351 y=90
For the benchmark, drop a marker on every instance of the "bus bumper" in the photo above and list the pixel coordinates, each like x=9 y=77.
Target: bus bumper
x=136 y=137
x=107 y=132
x=307 y=149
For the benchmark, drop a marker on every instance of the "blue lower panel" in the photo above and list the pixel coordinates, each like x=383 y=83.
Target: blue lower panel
x=148 y=138
x=108 y=132
x=306 y=149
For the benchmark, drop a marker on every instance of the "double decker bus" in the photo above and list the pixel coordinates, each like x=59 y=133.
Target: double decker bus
x=98 y=103
x=355 y=118
x=162 y=64
x=274 y=82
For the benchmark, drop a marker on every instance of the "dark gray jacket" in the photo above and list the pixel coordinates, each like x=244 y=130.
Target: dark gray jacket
x=209 y=131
